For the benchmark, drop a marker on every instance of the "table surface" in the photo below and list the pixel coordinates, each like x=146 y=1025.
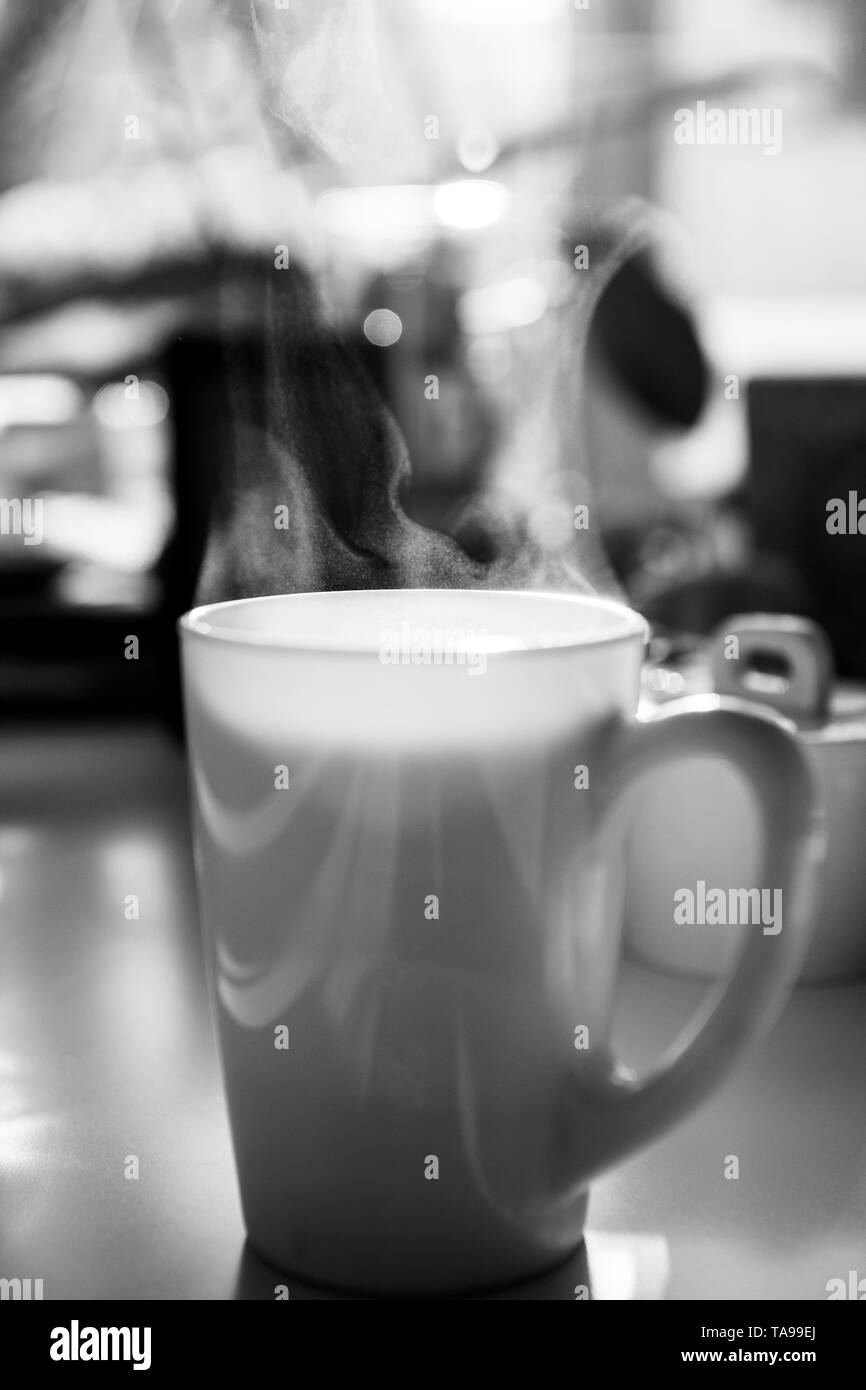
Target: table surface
x=107 y=1051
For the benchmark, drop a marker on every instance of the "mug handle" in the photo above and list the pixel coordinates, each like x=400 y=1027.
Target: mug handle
x=612 y=1113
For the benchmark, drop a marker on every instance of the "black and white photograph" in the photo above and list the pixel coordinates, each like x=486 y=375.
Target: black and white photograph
x=432 y=671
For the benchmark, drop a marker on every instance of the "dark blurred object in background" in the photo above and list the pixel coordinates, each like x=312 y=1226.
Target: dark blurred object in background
x=808 y=447
x=94 y=457
x=650 y=345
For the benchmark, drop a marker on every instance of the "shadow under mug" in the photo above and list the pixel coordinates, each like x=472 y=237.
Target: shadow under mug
x=409 y=812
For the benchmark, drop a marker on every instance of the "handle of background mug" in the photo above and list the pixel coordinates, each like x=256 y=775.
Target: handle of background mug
x=620 y=1113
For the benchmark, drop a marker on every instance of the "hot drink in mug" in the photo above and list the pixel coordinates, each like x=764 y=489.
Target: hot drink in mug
x=409 y=808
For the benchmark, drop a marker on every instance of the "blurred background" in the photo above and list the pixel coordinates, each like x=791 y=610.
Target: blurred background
x=638 y=360
x=439 y=163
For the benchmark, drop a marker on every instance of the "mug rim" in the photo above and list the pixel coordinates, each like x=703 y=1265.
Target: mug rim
x=197 y=622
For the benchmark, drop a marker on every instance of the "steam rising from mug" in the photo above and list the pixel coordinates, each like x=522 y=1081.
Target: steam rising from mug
x=315 y=494
x=319 y=469
x=190 y=188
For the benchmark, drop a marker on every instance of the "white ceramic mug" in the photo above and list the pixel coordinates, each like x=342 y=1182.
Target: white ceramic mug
x=408 y=810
